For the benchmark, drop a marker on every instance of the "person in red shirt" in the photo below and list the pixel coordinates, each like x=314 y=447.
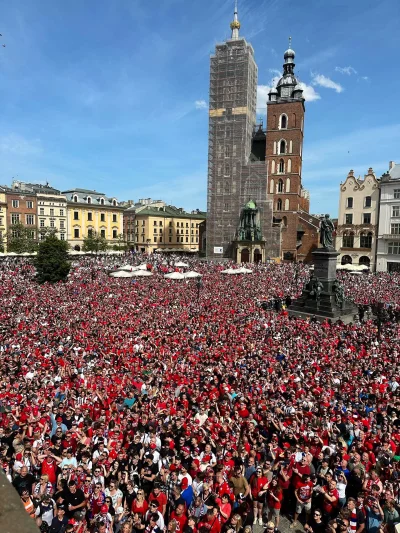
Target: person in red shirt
x=258 y=486
x=210 y=522
x=331 y=498
x=303 y=493
x=180 y=518
x=300 y=469
x=160 y=496
x=274 y=501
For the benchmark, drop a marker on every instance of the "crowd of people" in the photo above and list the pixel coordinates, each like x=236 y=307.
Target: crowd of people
x=150 y=405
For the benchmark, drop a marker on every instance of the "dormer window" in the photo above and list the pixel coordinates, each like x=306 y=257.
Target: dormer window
x=75 y=198
x=89 y=200
x=101 y=201
x=114 y=202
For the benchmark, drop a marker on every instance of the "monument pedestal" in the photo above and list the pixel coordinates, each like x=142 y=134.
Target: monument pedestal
x=325 y=304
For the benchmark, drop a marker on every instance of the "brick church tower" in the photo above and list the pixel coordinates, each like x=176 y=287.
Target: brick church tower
x=284 y=149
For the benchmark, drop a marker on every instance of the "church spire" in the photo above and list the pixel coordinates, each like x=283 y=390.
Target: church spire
x=235 y=24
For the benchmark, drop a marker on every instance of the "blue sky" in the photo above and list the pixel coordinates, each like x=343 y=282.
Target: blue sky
x=112 y=95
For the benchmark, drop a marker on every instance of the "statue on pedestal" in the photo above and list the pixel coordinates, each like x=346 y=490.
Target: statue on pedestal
x=316 y=289
x=326 y=230
x=339 y=293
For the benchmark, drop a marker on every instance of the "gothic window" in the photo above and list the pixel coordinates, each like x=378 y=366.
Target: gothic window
x=279 y=205
x=282 y=147
x=227 y=170
x=290 y=147
x=288 y=185
x=227 y=151
x=287 y=204
x=284 y=221
x=273 y=167
x=348 y=240
x=289 y=165
x=271 y=187
x=274 y=147
x=283 y=122
x=280 y=186
x=281 y=166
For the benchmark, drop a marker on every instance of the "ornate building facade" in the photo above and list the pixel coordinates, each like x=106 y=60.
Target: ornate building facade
x=356 y=234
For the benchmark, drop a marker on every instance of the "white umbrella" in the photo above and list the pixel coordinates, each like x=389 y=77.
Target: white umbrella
x=2 y=254
x=128 y=268
x=142 y=266
x=141 y=274
x=12 y=253
x=174 y=275
x=363 y=267
x=231 y=271
x=192 y=274
x=181 y=264
x=243 y=270
x=122 y=274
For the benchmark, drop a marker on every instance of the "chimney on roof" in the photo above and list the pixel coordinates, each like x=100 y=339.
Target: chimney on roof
x=391 y=165
x=370 y=170
x=351 y=173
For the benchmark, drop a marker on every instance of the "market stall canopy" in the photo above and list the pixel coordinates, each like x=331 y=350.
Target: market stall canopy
x=122 y=274
x=174 y=275
x=141 y=274
x=192 y=274
x=180 y=264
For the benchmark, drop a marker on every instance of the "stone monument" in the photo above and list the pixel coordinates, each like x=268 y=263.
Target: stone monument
x=249 y=242
x=323 y=296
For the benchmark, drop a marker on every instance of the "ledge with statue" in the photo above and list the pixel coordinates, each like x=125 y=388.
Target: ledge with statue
x=249 y=242
x=323 y=296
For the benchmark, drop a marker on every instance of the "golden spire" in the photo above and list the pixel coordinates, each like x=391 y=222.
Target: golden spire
x=235 y=24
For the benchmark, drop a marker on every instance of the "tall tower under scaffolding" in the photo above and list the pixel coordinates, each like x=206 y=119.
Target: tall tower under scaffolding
x=235 y=176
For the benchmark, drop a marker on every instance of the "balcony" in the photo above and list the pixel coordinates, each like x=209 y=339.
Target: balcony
x=392 y=237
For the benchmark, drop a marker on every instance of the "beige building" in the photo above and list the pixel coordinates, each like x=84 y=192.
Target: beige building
x=356 y=233
x=165 y=227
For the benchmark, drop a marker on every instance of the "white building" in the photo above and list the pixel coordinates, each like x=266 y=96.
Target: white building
x=388 y=253
x=358 y=220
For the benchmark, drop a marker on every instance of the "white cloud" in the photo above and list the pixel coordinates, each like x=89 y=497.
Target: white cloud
x=17 y=145
x=346 y=70
x=309 y=93
x=323 y=81
x=200 y=104
x=365 y=78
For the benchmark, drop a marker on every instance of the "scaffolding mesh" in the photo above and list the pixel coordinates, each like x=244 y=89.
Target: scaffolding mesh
x=232 y=179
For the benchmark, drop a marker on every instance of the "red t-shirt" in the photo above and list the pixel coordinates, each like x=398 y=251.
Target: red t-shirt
x=272 y=503
x=329 y=506
x=161 y=498
x=181 y=521
x=304 y=490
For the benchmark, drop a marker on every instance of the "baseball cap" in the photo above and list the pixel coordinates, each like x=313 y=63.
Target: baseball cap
x=104 y=509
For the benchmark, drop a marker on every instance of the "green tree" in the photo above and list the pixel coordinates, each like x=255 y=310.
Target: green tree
x=94 y=243
x=21 y=239
x=1 y=243
x=51 y=262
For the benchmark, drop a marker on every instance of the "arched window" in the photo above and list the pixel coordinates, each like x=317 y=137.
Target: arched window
x=284 y=221
x=348 y=240
x=273 y=167
x=89 y=200
x=282 y=147
x=288 y=185
x=271 y=187
x=279 y=205
x=101 y=201
x=281 y=166
x=289 y=165
x=274 y=147
x=364 y=260
x=346 y=260
x=287 y=204
x=114 y=202
x=283 y=122
x=290 y=147
x=366 y=240
x=75 y=198
x=280 y=186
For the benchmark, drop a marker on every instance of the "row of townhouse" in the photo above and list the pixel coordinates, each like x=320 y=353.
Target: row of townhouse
x=77 y=213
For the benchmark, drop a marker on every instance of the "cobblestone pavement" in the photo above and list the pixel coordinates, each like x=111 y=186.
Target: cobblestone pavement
x=283 y=527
